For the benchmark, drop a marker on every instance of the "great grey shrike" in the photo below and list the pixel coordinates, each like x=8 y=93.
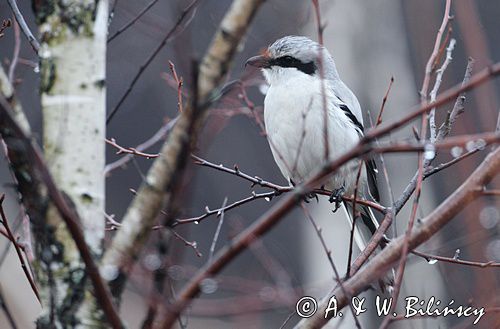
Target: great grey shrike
x=294 y=112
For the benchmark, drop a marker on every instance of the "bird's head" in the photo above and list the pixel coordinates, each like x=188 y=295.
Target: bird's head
x=293 y=56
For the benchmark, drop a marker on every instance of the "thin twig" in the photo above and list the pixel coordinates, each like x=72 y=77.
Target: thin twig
x=130 y=150
x=491 y=192
x=255 y=180
x=193 y=245
x=69 y=216
x=434 y=54
x=185 y=13
x=11 y=237
x=431 y=224
x=217 y=231
x=455 y=260
x=330 y=259
x=15 y=55
x=320 y=29
x=133 y=20
x=319 y=233
x=261 y=226
x=437 y=84
x=210 y=212
x=355 y=215
x=384 y=100
x=24 y=27
x=157 y=137
x=476 y=80
x=179 y=82
x=458 y=107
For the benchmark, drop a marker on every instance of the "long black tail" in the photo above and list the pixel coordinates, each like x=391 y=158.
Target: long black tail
x=363 y=232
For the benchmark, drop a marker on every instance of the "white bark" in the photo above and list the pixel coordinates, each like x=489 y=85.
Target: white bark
x=73 y=98
x=74 y=122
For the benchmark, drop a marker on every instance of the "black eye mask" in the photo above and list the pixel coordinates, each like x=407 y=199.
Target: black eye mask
x=289 y=61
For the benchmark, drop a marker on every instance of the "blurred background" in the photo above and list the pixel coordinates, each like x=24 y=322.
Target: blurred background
x=371 y=41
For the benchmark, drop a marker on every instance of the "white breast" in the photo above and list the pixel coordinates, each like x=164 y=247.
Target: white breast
x=293 y=114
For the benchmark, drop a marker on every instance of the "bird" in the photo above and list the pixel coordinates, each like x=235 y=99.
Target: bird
x=304 y=89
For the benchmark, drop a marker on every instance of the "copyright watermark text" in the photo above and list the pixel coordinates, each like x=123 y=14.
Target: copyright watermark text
x=308 y=306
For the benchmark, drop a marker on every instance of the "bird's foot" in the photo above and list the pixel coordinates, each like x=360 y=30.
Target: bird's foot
x=307 y=197
x=336 y=197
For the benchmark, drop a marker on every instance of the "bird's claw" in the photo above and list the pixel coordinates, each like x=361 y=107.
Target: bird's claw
x=309 y=196
x=336 y=197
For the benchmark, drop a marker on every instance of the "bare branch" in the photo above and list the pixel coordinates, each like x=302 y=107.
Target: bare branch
x=34 y=181
x=165 y=174
x=431 y=224
x=384 y=100
x=476 y=80
x=458 y=108
x=24 y=27
x=11 y=237
x=132 y=21
x=217 y=231
x=329 y=255
x=454 y=260
x=434 y=54
x=178 y=24
x=157 y=137
x=437 y=84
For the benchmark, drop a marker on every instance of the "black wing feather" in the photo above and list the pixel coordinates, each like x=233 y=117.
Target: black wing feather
x=371 y=166
x=371 y=172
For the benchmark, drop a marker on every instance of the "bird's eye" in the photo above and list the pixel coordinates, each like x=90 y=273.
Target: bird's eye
x=287 y=59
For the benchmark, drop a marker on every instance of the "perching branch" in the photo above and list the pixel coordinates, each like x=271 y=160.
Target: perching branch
x=431 y=224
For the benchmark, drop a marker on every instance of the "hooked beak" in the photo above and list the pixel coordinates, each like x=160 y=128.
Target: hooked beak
x=260 y=61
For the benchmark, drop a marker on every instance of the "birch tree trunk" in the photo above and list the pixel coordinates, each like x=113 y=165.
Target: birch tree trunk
x=73 y=97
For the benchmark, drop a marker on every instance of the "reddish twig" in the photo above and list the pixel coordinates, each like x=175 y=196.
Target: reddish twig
x=209 y=212
x=329 y=255
x=421 y=160
x=255 y=180
x=434 y=54
x=11 y=237
x=193 y=245
x=476 y=80
x=384 y=100
x=431 y=224
x=130 y=150
x=178 y=24
x=114 y=225
x=179 y=82
x=157 y=137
